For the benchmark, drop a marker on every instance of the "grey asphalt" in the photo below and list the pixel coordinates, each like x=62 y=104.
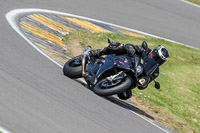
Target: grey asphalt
x=35 y=97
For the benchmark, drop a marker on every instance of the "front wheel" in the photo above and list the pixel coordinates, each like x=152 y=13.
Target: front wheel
x=106 y=88
x=72 y=68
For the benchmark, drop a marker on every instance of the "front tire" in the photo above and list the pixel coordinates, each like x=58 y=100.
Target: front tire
x=120 y=87
x=72 y=68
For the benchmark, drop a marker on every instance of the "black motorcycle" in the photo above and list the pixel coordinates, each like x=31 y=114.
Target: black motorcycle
x=114 y=74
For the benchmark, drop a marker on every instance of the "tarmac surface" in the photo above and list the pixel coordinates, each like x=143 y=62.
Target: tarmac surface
x=35 y=97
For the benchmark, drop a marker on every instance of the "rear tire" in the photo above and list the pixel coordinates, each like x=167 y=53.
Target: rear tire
x=72 y=68
x=111 y=90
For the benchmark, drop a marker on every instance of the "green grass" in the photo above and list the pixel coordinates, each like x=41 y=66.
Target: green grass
x=195 y=1
x=67 y=52
x=179 y=78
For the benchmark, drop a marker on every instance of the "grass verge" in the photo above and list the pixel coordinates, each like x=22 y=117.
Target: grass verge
x=195 y=1
x=177 y=102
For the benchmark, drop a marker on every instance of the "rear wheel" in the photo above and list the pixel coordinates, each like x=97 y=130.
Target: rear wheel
x=107 y=88
x=72 y=68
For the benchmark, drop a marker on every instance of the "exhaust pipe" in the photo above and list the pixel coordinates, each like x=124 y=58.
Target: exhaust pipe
x=83 y=65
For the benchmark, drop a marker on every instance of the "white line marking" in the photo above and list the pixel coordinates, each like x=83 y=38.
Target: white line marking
x=190 y=3
x=32 y=10
x=3 y=130
x=150 y=122
x=13 y=15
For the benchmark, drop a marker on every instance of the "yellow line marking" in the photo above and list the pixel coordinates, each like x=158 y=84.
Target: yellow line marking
x=54 y=55
x=42 y=33
x=50 y=23
x=86 y=24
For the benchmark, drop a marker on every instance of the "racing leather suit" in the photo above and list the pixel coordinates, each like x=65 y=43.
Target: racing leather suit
x=131 y=50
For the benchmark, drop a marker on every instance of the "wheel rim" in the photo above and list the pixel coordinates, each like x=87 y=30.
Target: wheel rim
x=106 y=84
x=75 y=63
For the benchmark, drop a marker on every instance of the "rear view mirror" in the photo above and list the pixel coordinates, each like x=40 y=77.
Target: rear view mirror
x=144 y=45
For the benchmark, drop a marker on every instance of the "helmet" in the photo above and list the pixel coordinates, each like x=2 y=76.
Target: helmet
x=159 y=54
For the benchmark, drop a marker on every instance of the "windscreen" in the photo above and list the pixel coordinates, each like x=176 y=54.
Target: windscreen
x=149 y=65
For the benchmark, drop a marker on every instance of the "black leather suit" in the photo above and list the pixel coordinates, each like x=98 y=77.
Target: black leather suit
x=131 y=50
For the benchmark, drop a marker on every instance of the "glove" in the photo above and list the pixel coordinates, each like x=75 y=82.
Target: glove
x=139 y=49
x=130 y=50
x=115 y=45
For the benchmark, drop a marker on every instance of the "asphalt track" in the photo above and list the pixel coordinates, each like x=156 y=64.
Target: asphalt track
x=36 y=97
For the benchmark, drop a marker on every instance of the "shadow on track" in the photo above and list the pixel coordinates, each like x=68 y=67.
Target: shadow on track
x=123 y=103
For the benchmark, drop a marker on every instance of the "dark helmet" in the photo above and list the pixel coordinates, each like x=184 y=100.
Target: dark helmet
x=159 y=54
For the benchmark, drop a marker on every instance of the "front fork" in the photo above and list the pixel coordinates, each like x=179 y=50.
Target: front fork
x=83 y=65
x=84 y=74
x=120 y=75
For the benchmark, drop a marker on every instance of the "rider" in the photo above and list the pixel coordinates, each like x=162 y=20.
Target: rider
x=159 y=53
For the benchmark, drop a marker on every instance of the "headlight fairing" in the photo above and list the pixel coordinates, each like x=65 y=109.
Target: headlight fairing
x=139 y=69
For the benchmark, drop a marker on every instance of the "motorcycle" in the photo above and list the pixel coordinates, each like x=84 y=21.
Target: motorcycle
x=112 y=74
